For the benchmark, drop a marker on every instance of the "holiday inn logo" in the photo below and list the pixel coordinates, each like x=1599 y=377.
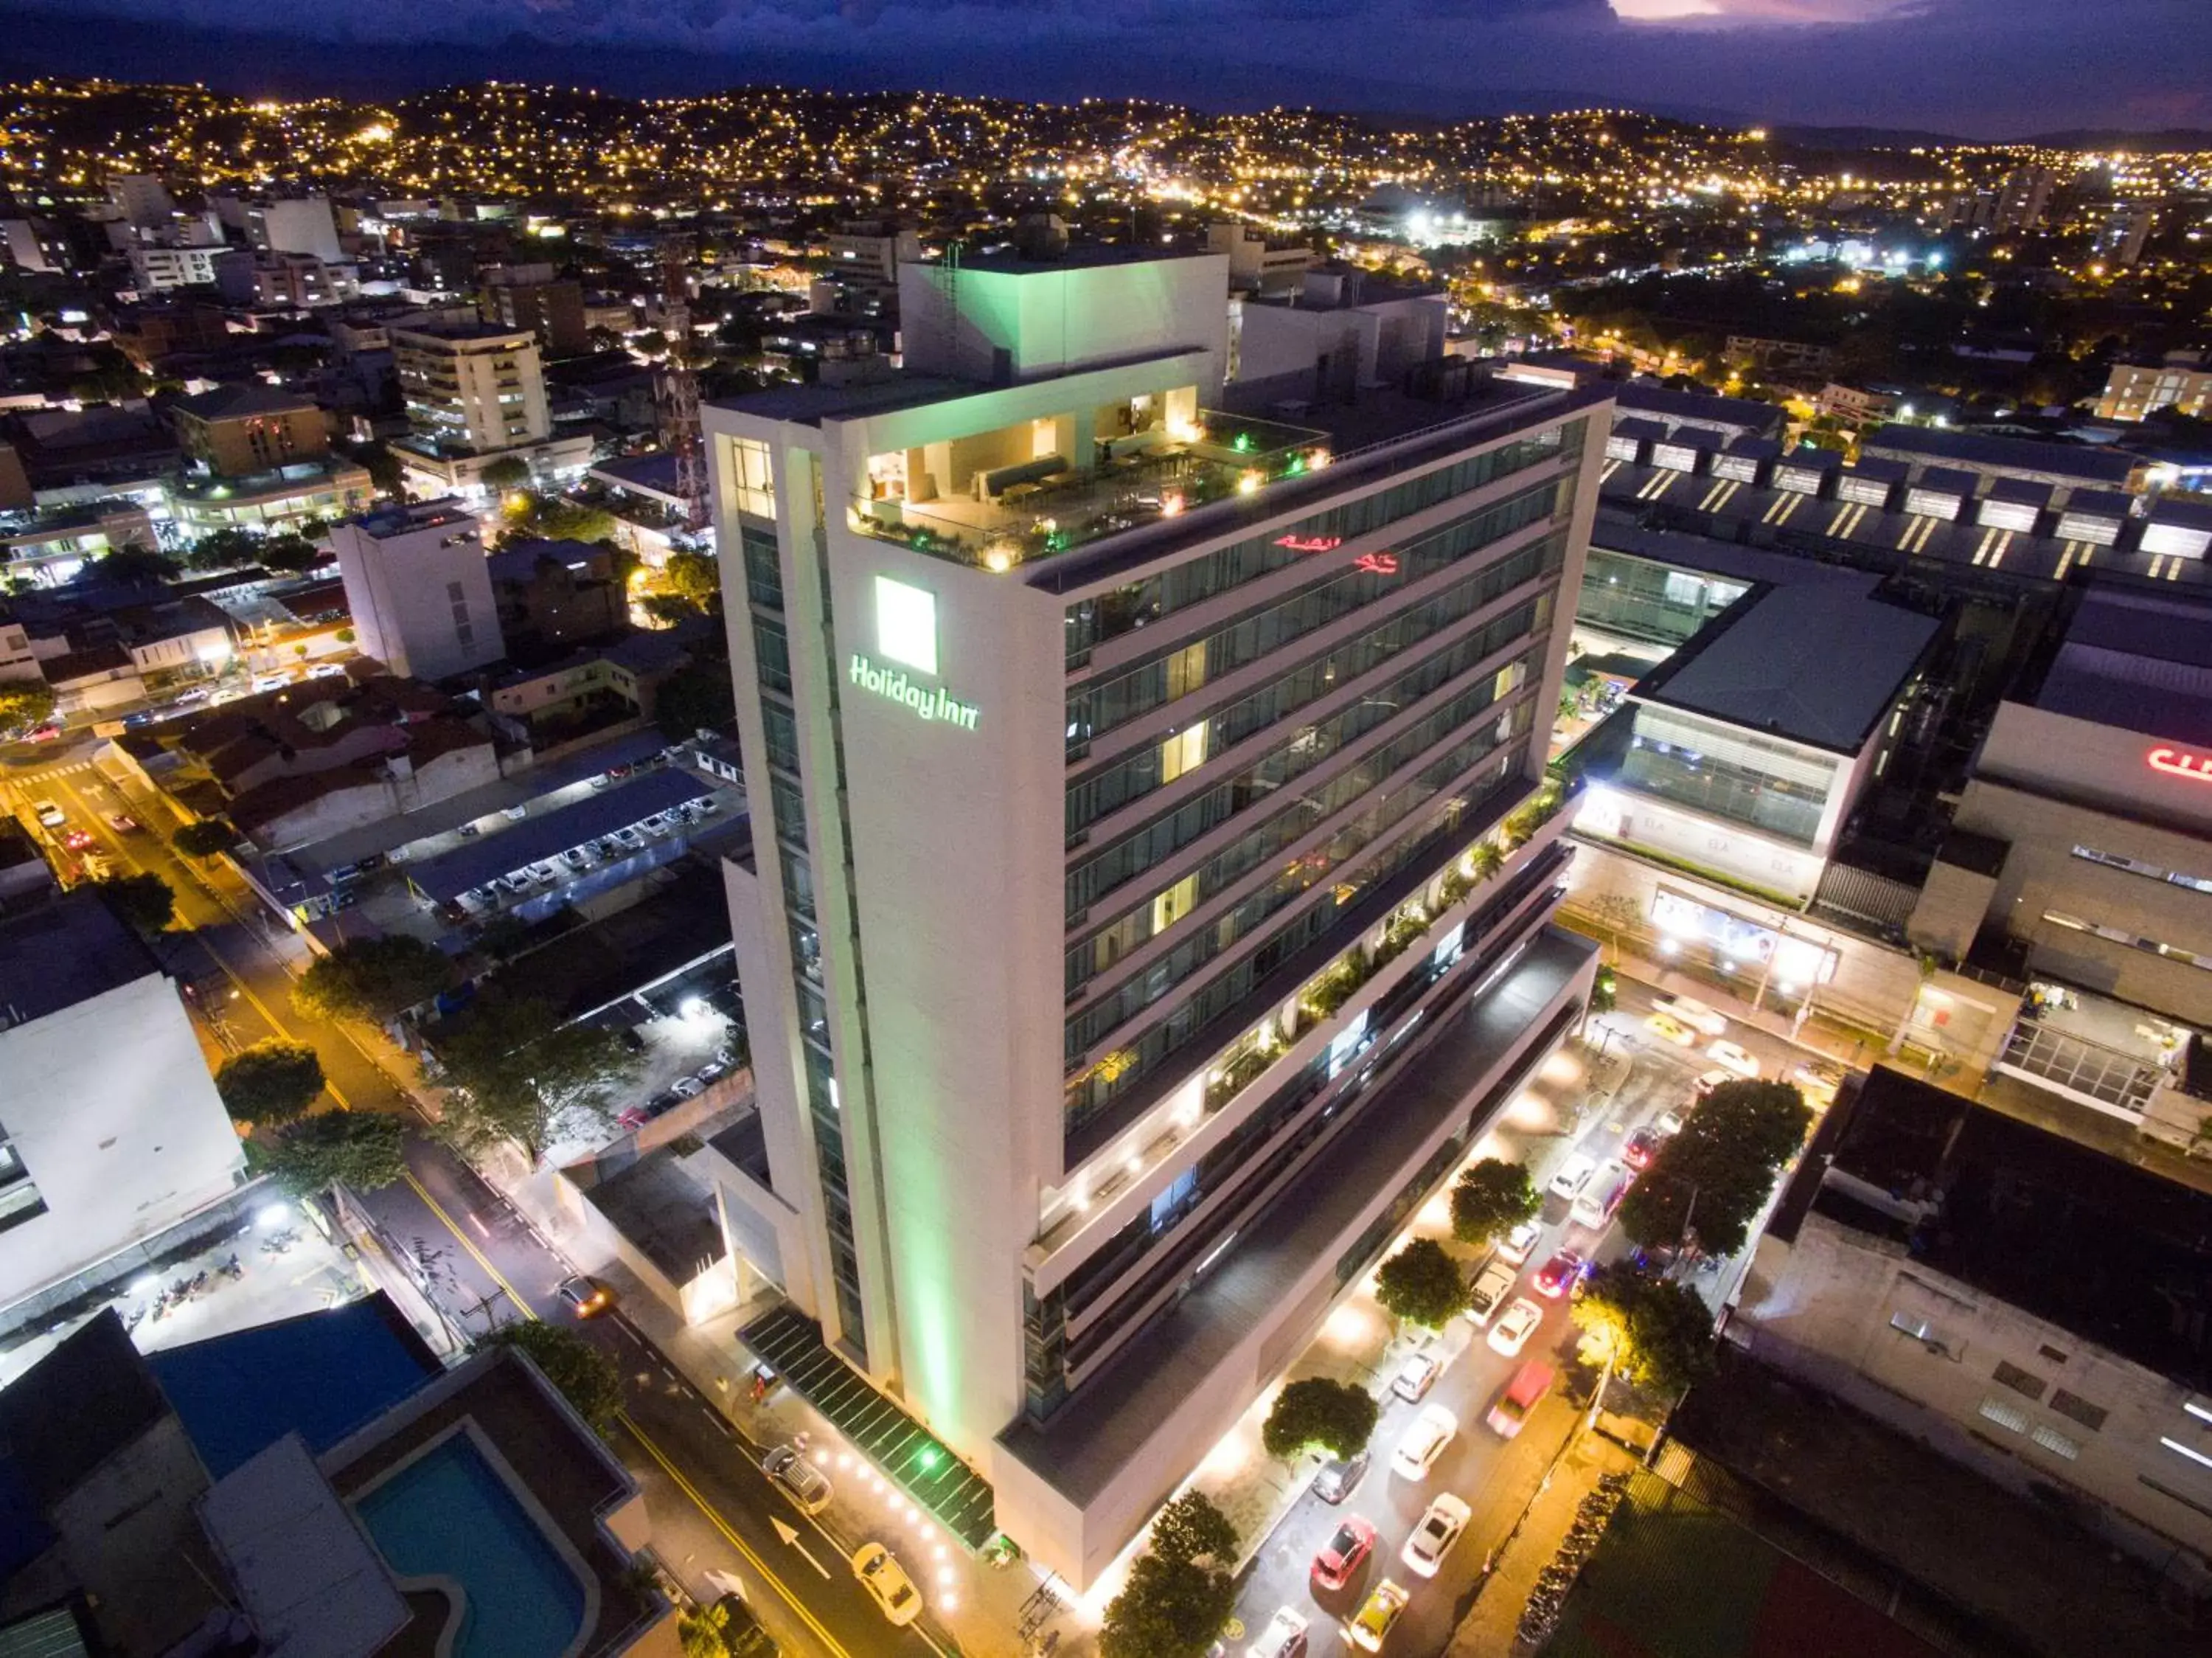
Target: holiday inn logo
x=906 y=633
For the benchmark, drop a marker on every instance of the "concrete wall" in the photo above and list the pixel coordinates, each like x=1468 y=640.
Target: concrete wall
x=111 y=1107
x=1728 y=850
x=1823 y=1307
x=399 y=591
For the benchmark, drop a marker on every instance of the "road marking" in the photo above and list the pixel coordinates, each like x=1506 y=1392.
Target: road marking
x=715 y=1519
x=469 y=1244
x=790 y=1535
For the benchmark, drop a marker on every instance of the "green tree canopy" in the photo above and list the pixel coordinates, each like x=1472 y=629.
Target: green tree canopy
x=272 y=1082
x=561 y=520
x=583 y=1374
x=695 y=578
x=1180 y=1592
x=357 y=1148
x=514 y=1072
x=1605 y=991
x=25 y=703
x=510 y=472
x=1422 y=1284
x=1316 y=1410
x=227 y=548
x=1659 y=1334
x=1708 y=1182
x=290 y=554
x=375 y=980
x=144 y=901
x=1191 y=1528
x=1490 y=1199
x=134 y=566
x=204 y=839
x=696 y=698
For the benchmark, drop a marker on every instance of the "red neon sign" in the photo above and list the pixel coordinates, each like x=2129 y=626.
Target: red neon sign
x=1310 y=543
x=2181 y=763
x=1376 y=563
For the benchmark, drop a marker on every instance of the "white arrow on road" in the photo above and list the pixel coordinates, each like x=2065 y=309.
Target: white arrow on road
x=790 y=1534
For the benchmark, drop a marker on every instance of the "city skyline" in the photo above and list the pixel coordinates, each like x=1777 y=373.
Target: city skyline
x=1976 y=68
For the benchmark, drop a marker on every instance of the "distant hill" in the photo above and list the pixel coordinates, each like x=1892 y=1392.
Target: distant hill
x=1863 y=137
x=2172 y=138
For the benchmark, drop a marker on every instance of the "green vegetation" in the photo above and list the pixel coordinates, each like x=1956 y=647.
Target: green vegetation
x=1659 y=1334
x=25 y=703
x=205 y=838
x=1490 y=1199
x=513 y=1072
x=585 y=1376
x=138 y=567
x=1422 y=1284
x=696 y=698
x=270 y=1083
x=143 y=901
x=360 y=1149
x=375 y=980
x=1333 y=1415
x=1708 y=1182
x=1180 y=1592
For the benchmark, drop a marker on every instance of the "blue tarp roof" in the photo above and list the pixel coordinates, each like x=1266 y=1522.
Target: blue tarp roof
x=447 y=877
x=320 y=1375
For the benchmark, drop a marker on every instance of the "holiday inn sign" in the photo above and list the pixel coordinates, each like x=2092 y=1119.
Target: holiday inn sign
x=906 y=632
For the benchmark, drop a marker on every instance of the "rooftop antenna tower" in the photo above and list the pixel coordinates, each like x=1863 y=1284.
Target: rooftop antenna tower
x=679 y=390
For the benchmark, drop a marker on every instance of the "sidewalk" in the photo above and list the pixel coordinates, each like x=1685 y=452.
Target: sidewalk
x=1491 y=1626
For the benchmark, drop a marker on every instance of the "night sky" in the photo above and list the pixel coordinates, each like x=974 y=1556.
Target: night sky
x=1977 y=68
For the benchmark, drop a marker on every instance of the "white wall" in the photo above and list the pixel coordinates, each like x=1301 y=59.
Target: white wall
x=399 y=590
x=111 y=1107
x=1611 y=812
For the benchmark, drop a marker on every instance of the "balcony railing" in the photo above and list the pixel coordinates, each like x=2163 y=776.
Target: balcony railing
x=1220 y=457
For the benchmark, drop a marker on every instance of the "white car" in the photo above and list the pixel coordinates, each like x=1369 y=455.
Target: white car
x=1520 y=1243
x=1432 y=1539
x=1688 y=1010
x=1417 y=1376
x=1424 y=1442
x=1668 y=1123
x=1730 y=1057
x=1284 y=1637
x=887 y=1583
x=1574 y=1174
x=49 y=813
x=1511 y=1332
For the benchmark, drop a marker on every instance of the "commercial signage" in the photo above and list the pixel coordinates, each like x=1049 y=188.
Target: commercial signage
x=1678 y=916
x=2181 y=763
x=1310 y=543
x=906 y=633
x=926 y=702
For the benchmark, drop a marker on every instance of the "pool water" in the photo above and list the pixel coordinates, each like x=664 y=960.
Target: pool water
x=448 y=1514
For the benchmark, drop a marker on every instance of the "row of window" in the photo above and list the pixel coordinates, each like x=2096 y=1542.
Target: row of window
x=2139 y=867
x=1104 y=705
x=1109 y=615
x=1135 y=775
x=2133 y=941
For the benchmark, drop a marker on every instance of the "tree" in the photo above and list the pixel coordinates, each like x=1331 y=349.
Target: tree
x=1180 y=1593
x=290 y=554
x=1492 y=1198
x=360 y=1149
x=1422 y=1284
x=1333 y=1415
x=697 y=697
x=516 y=1073
x=1191 y=1529
x=1605 y=991
x=1616 y=913
x=694 y=576
x=588 y=1378
x=1708 y=1182
x=25 y=703
x=1659 y=1334
x=133 y=567
x=204 y=839
x=510 y=472
x=227 y=548
x=375 y=980
x=272 y=1082
x=143 y=901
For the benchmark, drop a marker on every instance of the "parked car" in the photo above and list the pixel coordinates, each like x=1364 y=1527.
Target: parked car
x=1432 y=1539
x=1511 y=1332
x=1668 y=1123
x=123 y=823
x=806 y=1485
x=887 y=1583
x=706 y=805
x=1558 y=1276
x=514 y=814
x=687 y=1088
x=713 y=1071
x=327 y=671
x=576 y=858
x=583 y=1296
x=1340 y=1477
x=1529 y=1384
x=1730 y=1057
x=1425 y=1441
x=1417 y=1376
x=46 y=734
x=1518 y=1244
x=1667 y=1028
x=1372 y=1627
x=1284 y=1637
x=1641 y=1147
x=1574 y=1174
x=1489 y=1290
x=1687 y=1011
x=742 y=1634
x=1594 y=1205
x=1344 y=1553
x=49 y=813
x=271 y=682
x=1708 y=1081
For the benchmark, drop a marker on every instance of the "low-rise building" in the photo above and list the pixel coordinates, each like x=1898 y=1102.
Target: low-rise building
x=419 y=588
x=238 y=430
x=2181 y=381
x=1342 y=330
x=551 y=594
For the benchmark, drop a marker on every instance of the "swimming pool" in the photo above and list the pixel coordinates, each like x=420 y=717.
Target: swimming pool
x=448 y=1514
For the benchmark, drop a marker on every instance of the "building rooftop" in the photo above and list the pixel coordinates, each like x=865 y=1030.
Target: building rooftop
x=446 y=877
x=63 y=953
x=2141 y=661
x=2112 y=1253
x=76 y=1407
x=242 y=401
x=1085 y=256
x=387 y=522
x=1735 y=414
x=2095 y=466
x=1772 y=662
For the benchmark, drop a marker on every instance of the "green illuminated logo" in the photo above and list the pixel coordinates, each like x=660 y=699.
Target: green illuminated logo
x=925 y=702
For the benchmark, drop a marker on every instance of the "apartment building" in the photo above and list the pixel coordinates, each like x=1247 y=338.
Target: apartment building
x=2181 y=381
x=1124 y=766
x=419 y=588
x=237 y=431
x=480 y=389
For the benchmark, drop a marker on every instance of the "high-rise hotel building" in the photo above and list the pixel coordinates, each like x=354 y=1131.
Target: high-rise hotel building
x=1121 y=944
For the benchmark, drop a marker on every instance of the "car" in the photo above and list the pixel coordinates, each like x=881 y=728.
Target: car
x=1529 y=1384
x=1340 y=1477
x=806 y=1485
x=1432 y=1539
x=1417 y=1376
x=1518 y=1244
x=742 y=1636
x=271 y=682
x=46 y=734
x=327 y=671
x=887 y=1583
x=584 y=1296
x=48 y=813
x=1687 y=1011
x=1489 y=1290
x=1284 y=1637
x=714 y=1070
x=687 y=1088
x=1730 y=1057
x=619 y=771
x=545 y=874
x=1708 y=1081
x=1595 y=1207
x=229 y=693
x=1816 y=1083
x=78 y=840
x=143 y=718
x=1640 y=1148
x=1424 y=1442
x=629 y=837
x=191 y=699
x=514 y=814
x=1558 y=1276
x=1511 y=1332
x=1668 y=1124
x=706 y=805
x=1381 y=1611
x=576 y=858
x=1344 y=1554
x=123 y=823
x=1574 y=1174
x=1667 y=1028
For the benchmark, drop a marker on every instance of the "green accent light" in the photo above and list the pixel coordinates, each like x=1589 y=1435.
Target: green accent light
x=929 y=1457
x=1243 y=443
x=1297 y=465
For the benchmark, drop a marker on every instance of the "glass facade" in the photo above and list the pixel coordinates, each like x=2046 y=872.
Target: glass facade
x=1638 y=599
x=1776 y=788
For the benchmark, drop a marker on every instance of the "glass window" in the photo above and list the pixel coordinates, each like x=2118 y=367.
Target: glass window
x=751 y=476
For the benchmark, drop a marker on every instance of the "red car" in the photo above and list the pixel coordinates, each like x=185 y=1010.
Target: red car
x=47 y=734
x=1643 y=1146
x=1344 y=1553
x=79 y=840
x=1557 y=1275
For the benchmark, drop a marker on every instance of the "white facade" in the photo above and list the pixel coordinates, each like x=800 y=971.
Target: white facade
x=153 y=269
x=965 y=1095
x=113 y=1131
x=472 y=390
x=419 y=590
x=306 y=225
